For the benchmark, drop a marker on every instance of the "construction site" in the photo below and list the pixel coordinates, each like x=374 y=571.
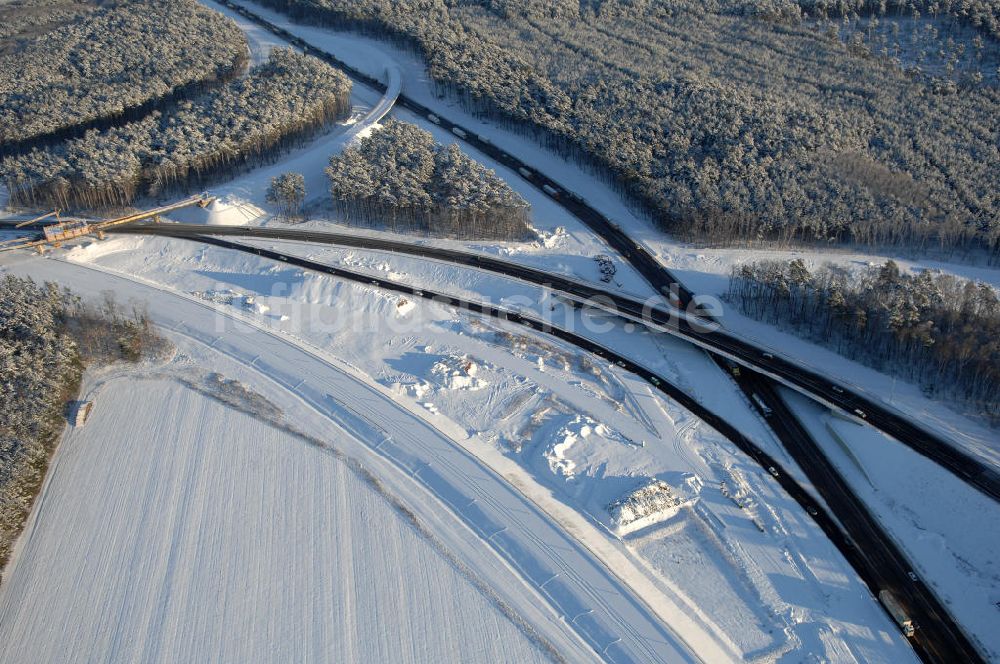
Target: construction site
x=50 y=230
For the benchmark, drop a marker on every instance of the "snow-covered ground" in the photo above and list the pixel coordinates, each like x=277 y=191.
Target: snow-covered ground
x=582 y=583
x=687 y=366
x=950 y=530
x=175 y=529
x=567 y=247
x=578 y=432
x=732 y=567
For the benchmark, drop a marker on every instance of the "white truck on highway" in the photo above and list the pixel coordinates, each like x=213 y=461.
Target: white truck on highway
x=897 y=612
x=764 y=408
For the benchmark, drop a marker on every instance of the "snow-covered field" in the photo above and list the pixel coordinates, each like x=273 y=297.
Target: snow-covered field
x=461 y=417
x=175 y=529
x=580 y=584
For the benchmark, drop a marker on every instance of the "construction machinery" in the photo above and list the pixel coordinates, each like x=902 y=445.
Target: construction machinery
x=29 y=222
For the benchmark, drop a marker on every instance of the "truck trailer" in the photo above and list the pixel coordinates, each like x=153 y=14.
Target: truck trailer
x=896 y=611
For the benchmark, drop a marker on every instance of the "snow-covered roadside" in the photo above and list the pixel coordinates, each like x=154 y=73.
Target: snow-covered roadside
x=703 y=270
x=950 y=531
x=968 y=432
x=259 y=41
x=688 y=366
x=369 y=108
x=586 y=436
x=565 y=244
x=586 y=591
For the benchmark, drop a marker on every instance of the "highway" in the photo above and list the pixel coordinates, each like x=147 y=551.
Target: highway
x=852 y=528
x=790 y=372
x=660 y=316
x=793 y=374
x=939 y=639
x=682 y=318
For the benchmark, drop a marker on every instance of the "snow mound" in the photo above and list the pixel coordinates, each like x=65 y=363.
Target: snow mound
x=458 y=373
x=577 y=430
x=559 y=462
x=446 y=377
x=551 y=240
x=89 y=250
x=651 y=503
x=251 y=304
x=229 y=212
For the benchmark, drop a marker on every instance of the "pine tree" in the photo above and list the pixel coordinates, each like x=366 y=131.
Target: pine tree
x=288 y=192
x=423 y=186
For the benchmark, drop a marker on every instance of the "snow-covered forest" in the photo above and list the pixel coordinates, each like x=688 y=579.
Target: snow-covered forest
x=114 y=65
x=982 y=14
x=39 y=370
x=399 y=176
x=241 y=123
x=938 y=331
x=732 y=121
x=47 y=337
x=23 y=19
